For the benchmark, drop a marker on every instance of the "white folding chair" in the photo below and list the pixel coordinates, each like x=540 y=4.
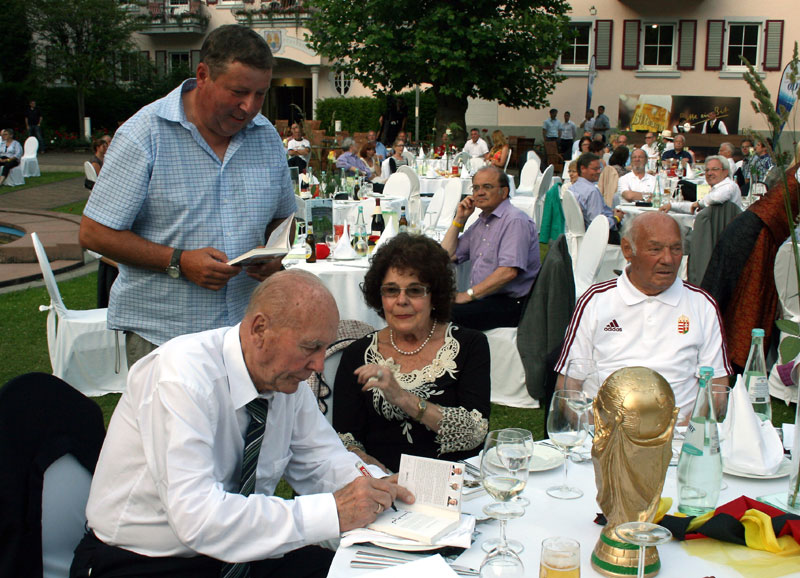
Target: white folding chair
x=528 y=176
x=413 y=178
x=385 y=169
x=29 y=162
x=786 y=284
x=593 y=247
x=574 y=227
x=83 y=351
x=507 y=373
x=539 y=193
x=476 y=163
x=88 y=170
x=434 y=210
x=533 y=155
x=452 y=196
x=398 y=185
x=508 y=158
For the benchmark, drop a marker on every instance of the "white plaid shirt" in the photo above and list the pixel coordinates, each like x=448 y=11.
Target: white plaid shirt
x=162 y=181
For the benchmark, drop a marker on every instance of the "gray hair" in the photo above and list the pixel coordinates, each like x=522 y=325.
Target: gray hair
x=347 y=143
x=629 y=229
x=728 y=146
x=721 y=160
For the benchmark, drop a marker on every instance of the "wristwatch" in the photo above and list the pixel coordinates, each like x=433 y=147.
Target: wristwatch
x=422 y=405
x=174 y=269
x=471 y=294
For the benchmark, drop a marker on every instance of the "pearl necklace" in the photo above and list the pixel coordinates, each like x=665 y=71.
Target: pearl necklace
x=418 y=349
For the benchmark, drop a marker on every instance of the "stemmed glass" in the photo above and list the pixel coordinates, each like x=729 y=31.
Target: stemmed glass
x=502 y=484
x=566 y=427
x=642 y=534
x=720 y=394
x=502 y=564
x=516 y=451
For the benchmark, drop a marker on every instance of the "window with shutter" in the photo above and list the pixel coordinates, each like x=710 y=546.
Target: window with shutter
x=630 y=44
x=602 y=37
x=578 y=52
x=714 y=39
x=773 y=44
x=658 y=46
x=743 y=39
x=687 y=41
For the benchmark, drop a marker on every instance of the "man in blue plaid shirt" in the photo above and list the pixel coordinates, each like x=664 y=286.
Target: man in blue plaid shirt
x=191 y=181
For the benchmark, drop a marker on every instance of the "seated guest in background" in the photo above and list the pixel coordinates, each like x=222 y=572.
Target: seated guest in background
x=619 y=158
x=171 y=495
x=650 y=146
x=421 y=385
x=572 y=171
x=727 y=150
x=648 y=316
x=503 y=246
x=589 y=198
x=10 y=153
x=713 y=125
x=722 y=189
x=500 y=150
x=403 y=136
x=581 y=146
x=380 y=149
x=350 y=161
x=762 y=162
x=476 y=147
x=398 y=157
x=370 y=157
x=638 y=181
x=679 y=152
x=99 y=147
x=298 y=148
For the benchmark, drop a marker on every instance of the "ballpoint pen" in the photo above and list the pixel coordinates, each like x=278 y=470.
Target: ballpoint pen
x=365 y=472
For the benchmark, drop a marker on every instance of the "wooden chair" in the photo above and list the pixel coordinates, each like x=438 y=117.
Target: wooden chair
x=553 y=156
x=282 y=126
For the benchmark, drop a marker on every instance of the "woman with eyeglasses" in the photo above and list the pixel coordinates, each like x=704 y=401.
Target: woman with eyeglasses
x=397 y=159
x=421 y=385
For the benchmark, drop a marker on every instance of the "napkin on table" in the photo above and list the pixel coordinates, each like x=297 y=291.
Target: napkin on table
x=343 y=249
x=460 y=537
x=464 y=171
x=388 y=233
x=748 y=445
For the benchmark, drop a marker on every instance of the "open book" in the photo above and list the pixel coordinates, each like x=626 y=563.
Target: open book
x=436 y=485
x=277 y=245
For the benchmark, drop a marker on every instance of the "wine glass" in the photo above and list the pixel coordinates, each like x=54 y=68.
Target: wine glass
x=502 y=564
x=502 y=484
x=642 y=534
x=582 y=375
x=720 y=394
x=561 y=557
x=516 y=452
x=566 y=428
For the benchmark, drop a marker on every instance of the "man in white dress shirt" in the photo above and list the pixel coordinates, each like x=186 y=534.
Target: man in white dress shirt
x=165 y=497
x=476 y=147
x=567 y=134
x=713 y=125
x=638 y=181
x=298 y=149
x=650 y=146
x=722 y=189
x=648 y=316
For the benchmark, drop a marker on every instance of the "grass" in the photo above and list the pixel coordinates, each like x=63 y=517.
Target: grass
x=45 y=179
x=75 y=208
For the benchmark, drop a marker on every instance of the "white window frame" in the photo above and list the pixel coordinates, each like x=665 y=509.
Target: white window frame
x=581 y=67
x=675 y=39
x=726 y=66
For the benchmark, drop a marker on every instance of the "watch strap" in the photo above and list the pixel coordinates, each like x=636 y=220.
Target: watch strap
x=175 y=261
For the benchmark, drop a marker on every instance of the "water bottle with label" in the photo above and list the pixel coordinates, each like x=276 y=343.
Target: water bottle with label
x=700 y=464
x=755 y=377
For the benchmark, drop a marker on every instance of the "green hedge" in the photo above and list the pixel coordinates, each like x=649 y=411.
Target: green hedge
x=361 y=114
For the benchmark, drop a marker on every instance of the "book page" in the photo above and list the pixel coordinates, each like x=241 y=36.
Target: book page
x=434 y=483
x=277 y=245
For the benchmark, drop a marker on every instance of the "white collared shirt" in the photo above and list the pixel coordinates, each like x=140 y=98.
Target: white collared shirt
x=167 y=480
x=673 y=333
x=725 y=190
x=630 y=182
x=476 y=149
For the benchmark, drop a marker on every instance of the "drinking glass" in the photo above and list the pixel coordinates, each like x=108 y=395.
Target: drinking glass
x=720 y=394
x=642 y=534
x=502 y=564
x=516 y=452
x=330 y=241
x=502 y=484
x=566 y=427
x=561 y=558
x=582 y=375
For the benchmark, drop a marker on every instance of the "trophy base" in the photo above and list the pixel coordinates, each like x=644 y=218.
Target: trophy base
x=621 y=560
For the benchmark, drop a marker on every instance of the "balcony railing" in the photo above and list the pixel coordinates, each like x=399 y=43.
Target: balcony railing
x=164 y=17
x=273 y=12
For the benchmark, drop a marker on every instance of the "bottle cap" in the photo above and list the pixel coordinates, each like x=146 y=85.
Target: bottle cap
x=758 y=332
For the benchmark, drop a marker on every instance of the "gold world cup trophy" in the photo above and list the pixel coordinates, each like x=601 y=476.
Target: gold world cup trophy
x=634 y=416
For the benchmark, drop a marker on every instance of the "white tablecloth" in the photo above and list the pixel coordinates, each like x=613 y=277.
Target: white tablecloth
x=548 y=517
x=430 y=186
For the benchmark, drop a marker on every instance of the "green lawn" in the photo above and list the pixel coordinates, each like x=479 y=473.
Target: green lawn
x=75 y=208
x=45 y=179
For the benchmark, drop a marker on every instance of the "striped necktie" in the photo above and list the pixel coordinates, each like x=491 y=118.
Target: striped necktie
x=252 y=447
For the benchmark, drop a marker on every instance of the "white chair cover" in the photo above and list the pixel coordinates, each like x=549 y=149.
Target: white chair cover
x=83 y=351
x=786 y=284
x=452 y=196
x=540 y=192
x=15 y=177
x=528 y=176
x=434 y=210
x=593 y=247
x=532 y=155
x=507 y=372
x=574 y=228
x=91 y=174
x=29 y=162
x=385 y=169
x=65 y=491
x=508 y=158
x=398 y=185
x=476 y=163
x=413 y=178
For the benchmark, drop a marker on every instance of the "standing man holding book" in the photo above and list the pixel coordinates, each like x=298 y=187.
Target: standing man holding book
x=192 y=180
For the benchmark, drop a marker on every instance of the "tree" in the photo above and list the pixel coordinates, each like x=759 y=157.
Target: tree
x=15 y=42
x=503 y=51
x=78 y=41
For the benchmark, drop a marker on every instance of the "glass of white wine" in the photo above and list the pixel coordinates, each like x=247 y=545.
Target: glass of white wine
x=561 y=558
x=566 y=427
x=516 y=451
x=502 y=484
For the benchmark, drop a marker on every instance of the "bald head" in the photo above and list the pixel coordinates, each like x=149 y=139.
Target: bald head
x=286 y=294
x=653 y=244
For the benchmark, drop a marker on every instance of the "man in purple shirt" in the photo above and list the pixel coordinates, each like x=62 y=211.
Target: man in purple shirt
x=503 y=246
x=350 y=161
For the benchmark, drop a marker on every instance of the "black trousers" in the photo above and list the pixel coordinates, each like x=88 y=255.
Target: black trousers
x=99 y=560
x=489 y=312
x=8 y=164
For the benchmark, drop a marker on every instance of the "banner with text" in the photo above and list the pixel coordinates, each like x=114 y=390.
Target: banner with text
x=656 y=112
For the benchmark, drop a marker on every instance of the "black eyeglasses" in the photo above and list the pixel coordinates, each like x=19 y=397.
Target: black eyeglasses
x=412 y=291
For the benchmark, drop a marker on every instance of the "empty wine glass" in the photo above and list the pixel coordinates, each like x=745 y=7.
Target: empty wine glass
x=516 y=451
x=642 y=534
x=582 y=375
x=501 y=563
x=566 y=427
x=502 y=484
